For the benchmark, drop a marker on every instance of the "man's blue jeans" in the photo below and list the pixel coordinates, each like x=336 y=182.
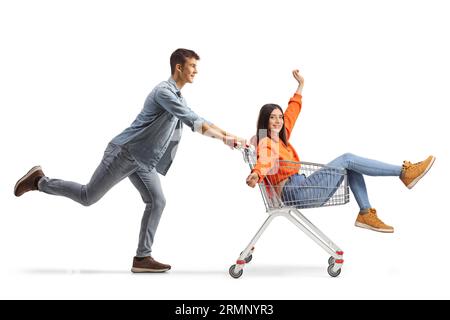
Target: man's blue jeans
x=116 y=165
x=356 y=167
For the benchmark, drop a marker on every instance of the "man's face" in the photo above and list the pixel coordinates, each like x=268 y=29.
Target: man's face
x=189 y=70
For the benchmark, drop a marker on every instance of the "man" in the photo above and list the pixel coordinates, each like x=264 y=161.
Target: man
x=140 y=152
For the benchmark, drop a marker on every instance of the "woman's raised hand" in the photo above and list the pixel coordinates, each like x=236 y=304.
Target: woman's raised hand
x=300 y=80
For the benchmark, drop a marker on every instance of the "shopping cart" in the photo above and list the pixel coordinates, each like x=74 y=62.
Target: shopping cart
x=320 y=186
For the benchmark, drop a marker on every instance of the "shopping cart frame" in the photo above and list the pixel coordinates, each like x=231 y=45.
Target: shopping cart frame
x=276 y=208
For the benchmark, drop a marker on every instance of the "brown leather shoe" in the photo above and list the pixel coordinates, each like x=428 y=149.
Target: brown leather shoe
x=29 y=181
x=148 y=264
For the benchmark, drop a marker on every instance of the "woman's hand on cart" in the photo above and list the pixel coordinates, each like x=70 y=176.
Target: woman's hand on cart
x=252 y=179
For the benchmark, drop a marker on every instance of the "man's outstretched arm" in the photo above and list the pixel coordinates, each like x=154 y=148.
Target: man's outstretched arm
x=213 y=131
x=170 y=103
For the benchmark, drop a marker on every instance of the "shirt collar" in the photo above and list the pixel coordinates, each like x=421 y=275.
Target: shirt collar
x=174 y=84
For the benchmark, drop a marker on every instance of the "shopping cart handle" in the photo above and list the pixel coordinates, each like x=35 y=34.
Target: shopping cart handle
x=240 y=146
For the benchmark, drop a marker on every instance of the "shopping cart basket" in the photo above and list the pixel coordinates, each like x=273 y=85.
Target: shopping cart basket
x=317 y=185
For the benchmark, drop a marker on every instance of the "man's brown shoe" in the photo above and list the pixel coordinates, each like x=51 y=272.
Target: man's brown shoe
x=29 y=181
x=371 y=221
x=148 y=264
x=412 y=173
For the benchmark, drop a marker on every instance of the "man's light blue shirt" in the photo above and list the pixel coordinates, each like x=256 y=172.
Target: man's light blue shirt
x=152 y=139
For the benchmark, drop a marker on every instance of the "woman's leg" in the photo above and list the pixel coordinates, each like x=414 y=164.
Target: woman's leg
x=314 y=190
x=365 y=166
x=358 y=187
x=358 y=166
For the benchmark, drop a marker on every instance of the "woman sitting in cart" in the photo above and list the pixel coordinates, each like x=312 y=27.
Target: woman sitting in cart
x=278 y=161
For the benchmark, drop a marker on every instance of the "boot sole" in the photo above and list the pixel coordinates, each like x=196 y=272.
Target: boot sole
x=29 y=173
x=366 y=226
x=143 y=270
x=413 y=183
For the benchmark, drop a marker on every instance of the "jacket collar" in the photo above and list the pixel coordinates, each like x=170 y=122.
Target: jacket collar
x=172 y=82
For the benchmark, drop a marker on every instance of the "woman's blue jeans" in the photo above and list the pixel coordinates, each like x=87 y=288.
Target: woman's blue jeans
x=356 y=167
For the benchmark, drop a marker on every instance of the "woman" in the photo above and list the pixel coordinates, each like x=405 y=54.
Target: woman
x=274 y=151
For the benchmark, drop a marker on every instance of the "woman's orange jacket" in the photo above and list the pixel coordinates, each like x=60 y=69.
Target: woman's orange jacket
x=272 y=154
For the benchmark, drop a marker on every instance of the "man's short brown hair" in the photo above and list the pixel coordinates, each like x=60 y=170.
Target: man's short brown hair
x=180 y=56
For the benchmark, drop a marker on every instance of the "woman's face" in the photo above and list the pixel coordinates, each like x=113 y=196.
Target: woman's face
x=276 y=121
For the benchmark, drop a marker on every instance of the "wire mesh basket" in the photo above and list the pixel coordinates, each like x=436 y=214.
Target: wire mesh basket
x=302 y=184
x=314 y=185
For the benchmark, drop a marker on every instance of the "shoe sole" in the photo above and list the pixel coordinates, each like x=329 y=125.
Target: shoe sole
x=366 y=226
x=413 y=183
x=29 y=173
x=143 y=270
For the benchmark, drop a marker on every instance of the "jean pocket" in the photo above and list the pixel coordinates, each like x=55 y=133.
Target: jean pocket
x=110 y=154
x=126 y=154
x=110 y=148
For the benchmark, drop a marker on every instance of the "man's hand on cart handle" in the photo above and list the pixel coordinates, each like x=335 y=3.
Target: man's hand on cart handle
x=213 y=131
x=252 y=179
x=235 y=141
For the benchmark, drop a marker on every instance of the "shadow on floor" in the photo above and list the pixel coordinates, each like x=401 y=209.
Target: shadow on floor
x=250 y=271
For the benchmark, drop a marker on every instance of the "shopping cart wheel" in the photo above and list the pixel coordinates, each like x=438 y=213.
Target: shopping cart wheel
x=332 y=273
x=235 y=274
x=331 y=260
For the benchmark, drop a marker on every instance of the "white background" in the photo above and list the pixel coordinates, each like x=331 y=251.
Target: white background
x=73 y=74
